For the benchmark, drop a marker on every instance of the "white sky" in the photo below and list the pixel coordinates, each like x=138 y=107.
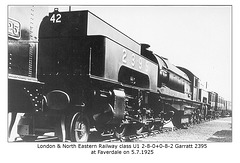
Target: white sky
x=195 y=37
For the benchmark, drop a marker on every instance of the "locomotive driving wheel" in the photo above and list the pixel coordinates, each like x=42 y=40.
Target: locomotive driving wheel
x=176 y=120
x=79 y=128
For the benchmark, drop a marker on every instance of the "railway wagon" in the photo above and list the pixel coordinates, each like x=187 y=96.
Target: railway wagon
x=228 y=106
x=212 y=103
x=223 y=107
x=219 y=105
x=24 y=90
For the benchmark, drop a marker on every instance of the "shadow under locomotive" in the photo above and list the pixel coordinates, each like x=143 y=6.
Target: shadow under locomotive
x=221 y=136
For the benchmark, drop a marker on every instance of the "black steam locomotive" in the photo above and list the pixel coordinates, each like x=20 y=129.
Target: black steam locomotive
x=91 y=75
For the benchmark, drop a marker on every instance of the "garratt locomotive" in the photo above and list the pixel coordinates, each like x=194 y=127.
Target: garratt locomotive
x=94 y=76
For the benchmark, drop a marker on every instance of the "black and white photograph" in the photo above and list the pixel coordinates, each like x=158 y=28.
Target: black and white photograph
x=73 y=76
x=120 y=80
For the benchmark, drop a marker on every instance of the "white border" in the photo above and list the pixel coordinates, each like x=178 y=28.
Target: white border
x=28 y=152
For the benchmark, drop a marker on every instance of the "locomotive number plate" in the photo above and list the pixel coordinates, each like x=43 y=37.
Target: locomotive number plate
x=134 y=61
x=14 y=29
x=56 y=18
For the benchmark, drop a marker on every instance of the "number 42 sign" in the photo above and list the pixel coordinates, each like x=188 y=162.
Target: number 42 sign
x=56 y=18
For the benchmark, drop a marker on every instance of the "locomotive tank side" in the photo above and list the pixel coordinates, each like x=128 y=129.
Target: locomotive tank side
x=71 y=45
x=127 y=67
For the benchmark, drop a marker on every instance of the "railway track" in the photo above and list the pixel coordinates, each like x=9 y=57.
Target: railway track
x=96 y=137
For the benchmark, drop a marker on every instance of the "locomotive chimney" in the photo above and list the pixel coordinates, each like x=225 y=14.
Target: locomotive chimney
x=147 y=53
x=145 y=46
x=144 y=50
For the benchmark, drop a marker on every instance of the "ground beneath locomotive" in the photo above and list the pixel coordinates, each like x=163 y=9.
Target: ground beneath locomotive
x=219 y=130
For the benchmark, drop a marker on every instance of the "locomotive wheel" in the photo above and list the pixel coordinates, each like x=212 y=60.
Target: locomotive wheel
x=79 y=128
x=177 y=122
x=120 y=131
